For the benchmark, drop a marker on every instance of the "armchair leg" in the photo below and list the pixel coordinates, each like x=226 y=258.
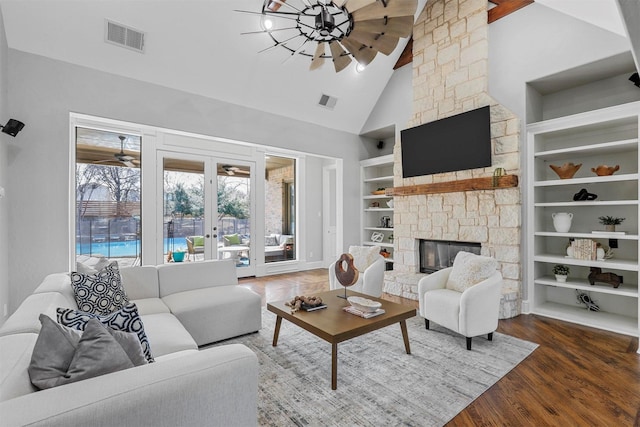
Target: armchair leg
x=468 y=343
x=426 y=323
x=490 y=336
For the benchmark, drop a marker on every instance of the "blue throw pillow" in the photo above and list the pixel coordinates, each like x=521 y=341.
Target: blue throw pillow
x=126 y=319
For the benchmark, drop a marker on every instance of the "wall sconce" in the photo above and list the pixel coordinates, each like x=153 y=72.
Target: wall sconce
x=12 y=127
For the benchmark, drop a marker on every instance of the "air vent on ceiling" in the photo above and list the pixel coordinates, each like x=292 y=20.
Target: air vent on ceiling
x=327 y=101
x=124 y=36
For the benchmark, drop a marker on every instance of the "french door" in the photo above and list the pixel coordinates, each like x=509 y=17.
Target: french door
x=208 y=209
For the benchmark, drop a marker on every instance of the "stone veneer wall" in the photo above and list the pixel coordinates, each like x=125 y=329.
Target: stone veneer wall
x=450 y=65
x=274 y=193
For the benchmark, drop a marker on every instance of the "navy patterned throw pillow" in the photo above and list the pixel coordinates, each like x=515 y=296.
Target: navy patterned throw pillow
x=126 y=319
x=100 y=293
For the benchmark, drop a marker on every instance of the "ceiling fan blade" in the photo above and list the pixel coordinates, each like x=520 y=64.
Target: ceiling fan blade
x=339 y=3
x=353 y=5
x=380 y=42
x=129 y=164
x=401 y=26
x=363 y=54
x=395 y=8
x=340 y=58
x=317 y=60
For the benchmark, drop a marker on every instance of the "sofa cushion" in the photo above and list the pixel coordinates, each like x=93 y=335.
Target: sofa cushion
x=151 y=306
x=470 y=269
x=178 y=277
x=198 y=240
x=217 y=313
x=25 y=318
x=166 y=334
x=126 y=319
x=57 y=282
x=270 y=240
x=63 y=355
x=91 y=264
x=15 y=353
x=231 y=239
x=364 y=256
x=140 y=282
x=101 y=293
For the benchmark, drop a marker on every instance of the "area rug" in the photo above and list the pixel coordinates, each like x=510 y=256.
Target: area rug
x=378 y=383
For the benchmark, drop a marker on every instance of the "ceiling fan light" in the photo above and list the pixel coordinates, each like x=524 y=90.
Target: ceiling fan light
x=360 y=67
x=266 y=23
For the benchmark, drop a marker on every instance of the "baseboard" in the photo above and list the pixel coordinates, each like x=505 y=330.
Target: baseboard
x=526 y=307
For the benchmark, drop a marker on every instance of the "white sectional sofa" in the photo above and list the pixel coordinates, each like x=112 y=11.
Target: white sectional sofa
x=182 y=306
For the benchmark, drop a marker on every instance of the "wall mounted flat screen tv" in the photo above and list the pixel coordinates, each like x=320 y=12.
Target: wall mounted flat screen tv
x=452 y=144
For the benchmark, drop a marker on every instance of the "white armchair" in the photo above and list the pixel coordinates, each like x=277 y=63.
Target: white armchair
x=371 y=280
x=471 y=312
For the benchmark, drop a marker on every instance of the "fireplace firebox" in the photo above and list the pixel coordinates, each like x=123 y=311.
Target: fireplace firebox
x=438 y=254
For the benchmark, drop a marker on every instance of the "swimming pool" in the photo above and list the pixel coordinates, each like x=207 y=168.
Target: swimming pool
x=128 y=248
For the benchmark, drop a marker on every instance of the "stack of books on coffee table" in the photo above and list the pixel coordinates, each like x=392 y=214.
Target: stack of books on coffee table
x=366 y=314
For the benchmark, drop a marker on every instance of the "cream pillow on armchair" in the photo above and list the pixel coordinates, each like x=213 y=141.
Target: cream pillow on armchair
x=470 y=269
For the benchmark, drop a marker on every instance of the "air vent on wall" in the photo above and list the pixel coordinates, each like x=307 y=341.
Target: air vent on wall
x=124 y=36
x=327 y=101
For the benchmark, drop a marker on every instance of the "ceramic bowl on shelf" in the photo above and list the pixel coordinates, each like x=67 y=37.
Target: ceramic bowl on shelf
x=364 y=304
x=604 y=170
x=567 y=170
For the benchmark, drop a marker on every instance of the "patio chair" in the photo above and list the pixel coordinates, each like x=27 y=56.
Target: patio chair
x=195 y=245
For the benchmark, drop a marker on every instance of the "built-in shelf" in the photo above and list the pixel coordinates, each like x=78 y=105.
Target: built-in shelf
x=379 y=179
x=613 y=322
x=625 y=289
x=618 y=264
x=590 y=150
x=588 y=180
x=378 y=209
x=377 y=173
x=586 y=203
x=587 y=235
x=607 y=136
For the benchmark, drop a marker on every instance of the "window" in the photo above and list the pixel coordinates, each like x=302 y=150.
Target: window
x=108 y=195
x=280 y=209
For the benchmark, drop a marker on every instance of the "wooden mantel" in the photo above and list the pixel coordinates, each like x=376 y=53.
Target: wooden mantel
x=472 y=184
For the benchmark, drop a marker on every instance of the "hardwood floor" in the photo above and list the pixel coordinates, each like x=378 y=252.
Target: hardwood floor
x=578 y=376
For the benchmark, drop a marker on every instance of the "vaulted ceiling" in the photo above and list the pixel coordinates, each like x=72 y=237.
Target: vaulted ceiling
x=196 y=46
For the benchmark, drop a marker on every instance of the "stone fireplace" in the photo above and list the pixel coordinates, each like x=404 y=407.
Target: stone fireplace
x=435 y=255
x=450 y=66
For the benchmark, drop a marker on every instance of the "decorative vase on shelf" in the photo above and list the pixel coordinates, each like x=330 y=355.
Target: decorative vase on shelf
x=610 y=227
x=561 y=278
x=600 y=253
x=570 y=251
x=562 y=221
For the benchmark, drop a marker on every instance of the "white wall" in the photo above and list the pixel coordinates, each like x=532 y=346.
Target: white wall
x=44 y=92
x=4 y=152
x=394 y=107
x=537 y=41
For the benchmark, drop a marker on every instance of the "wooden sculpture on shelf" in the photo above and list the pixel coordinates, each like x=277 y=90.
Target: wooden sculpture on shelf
x=567 y=170
x=596 y=275
x=346 y=276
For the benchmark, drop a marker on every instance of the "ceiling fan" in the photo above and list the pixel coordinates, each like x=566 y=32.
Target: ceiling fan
x=122 y=157
x=352 y=28
x=232 y=170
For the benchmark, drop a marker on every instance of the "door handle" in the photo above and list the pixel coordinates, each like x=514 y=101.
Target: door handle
x=207 y=236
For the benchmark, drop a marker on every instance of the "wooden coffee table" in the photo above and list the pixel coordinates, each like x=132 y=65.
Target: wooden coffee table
x=334 y=325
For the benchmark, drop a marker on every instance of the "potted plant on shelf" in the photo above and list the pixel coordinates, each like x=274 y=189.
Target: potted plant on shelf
x=561 y=272
x=610 y=222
